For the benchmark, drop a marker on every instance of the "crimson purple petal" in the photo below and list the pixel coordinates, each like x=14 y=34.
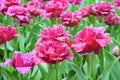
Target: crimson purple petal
x=75 y=1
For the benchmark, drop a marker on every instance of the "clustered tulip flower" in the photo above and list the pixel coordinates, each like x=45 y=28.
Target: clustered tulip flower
x=90 y=39
x=85 y=11
x=71 y=19
x=54 y=8
x=20 y=13
x=7 y=33
x=103 y=8
x=51 y=52
x=99 y=9
x=116 y=51
x=117 y=3
x=55 y=33
x=32 y=10
x=5 y=4
x=112 y=19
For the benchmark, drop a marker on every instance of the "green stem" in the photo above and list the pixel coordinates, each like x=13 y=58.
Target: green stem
x=5 y=50
x=57 y=72
x=116 y=42
x=91 y=65
x=20 y=77
x=54 y=20
x=54 y=73
x=43 y=72
x=111 y=29
x=88 y=64
x=73 y=7
x=50 y=75
x=20 y=39
x=102 y=60
x=71 y=29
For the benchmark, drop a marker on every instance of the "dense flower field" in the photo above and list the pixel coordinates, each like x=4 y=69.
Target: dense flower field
x=59 y=39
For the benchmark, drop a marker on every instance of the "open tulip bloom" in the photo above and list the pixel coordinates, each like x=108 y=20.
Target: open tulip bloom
x=21 y=62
